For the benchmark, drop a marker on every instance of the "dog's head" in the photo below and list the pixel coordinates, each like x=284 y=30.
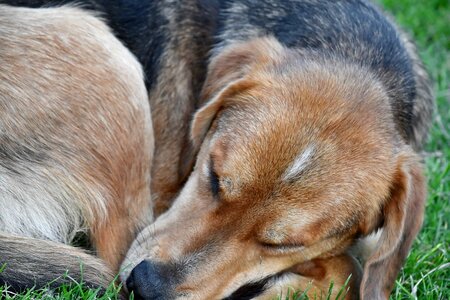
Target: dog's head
x=298 y=155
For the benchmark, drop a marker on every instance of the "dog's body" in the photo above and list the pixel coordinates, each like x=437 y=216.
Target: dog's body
x=75 y=146
x=308 y=107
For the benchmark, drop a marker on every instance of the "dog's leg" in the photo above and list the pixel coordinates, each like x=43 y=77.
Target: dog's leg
x=175 y=71
x=113 y=237
x=28 y=262
x=315 y=277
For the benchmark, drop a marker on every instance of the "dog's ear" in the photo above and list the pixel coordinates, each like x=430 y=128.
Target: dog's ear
x=402 y=219
x=204 y=117
x=226 y=77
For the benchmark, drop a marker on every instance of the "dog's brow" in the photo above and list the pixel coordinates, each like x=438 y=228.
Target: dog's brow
x=299 y=164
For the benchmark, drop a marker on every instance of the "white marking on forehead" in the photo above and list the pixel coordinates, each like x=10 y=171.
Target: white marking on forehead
x=205 y=169
x=299 y=163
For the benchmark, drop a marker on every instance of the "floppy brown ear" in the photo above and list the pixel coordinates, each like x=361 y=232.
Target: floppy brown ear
x=225 y=78
x=204 y=117
x=403 y=216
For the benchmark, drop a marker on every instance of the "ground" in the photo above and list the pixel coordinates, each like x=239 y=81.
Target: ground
x=426 y=274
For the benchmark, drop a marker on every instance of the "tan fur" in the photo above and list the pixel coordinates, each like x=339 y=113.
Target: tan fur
x=76 y=134
x=265 y=105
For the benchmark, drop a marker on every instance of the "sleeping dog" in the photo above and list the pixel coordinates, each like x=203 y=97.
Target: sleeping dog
x=308 y=120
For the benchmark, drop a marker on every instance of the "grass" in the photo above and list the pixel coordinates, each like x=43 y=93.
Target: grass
x=70 y=291
x=426 y=273
x=302 y=295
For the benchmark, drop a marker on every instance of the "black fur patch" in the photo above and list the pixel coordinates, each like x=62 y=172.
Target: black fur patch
x=138 y=24
x=46 y=3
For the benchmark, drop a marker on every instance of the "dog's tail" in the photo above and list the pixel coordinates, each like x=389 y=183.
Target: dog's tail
x=27 y=262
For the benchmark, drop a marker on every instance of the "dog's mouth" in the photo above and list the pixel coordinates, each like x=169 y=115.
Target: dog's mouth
x=253 y=289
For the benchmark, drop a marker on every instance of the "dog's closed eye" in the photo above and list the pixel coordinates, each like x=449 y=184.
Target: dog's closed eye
x=214 y=180
x=283 y=248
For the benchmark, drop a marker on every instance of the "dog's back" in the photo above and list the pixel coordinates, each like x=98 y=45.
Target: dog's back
x=75 y=144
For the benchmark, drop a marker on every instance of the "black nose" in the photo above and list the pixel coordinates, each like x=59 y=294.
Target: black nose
x=150 y=281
